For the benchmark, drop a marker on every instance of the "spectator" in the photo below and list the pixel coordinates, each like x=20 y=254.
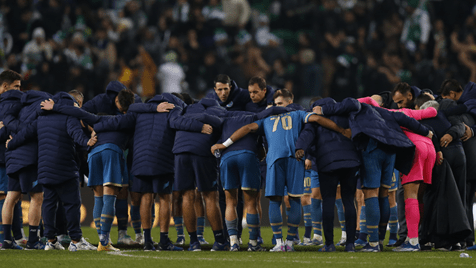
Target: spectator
x=36 y=50
x=171 y=74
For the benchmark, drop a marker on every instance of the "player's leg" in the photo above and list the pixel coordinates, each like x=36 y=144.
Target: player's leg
x=178 y=216
x=2 y=201
x=362 y=220
x=200 y=212
x=348 y=182
x=316 y=214
x=50 y=206
x=11 y=199
x=147 y=198
x=231 y=218
x=17 y=224
x=274 y=191
x=295 y=188
x=163 y=187
x=122 y=216
x=328 y=184
x=386 y=183
x=61 y=225
x=135 y=217
x=306 y=208
x=341 y=216
x=393 y=220
x=252 y=219
x=107 y=216
x=412 y=212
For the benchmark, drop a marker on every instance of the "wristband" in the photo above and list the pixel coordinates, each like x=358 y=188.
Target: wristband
x=228 y=142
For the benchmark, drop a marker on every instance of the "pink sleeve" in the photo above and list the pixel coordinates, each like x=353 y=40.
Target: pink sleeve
x=421 y=114
x=369 y=101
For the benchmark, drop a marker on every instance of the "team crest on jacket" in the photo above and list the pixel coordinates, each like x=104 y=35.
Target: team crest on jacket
x=229 y=105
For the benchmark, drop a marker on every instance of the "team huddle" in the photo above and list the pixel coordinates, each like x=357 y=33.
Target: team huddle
x=405 y=157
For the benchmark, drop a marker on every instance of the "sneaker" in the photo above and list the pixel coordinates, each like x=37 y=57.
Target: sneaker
x=64 y=239
x=456 y=247
x=369 y=248
x=52 y=246
x=260 y=240
x=235 y=247
x=181 y=240
x=139 y=239
x=399 y=242
x=202 y=240
x=316 y=240
x=349 y=247
x=89 y=245
x=195 y=247
x=360 y=243
x=258 y=247
x=278 y=248
x=296 y=240
x=44 y=240
x=240 y=241
x=126 y=240
x=426 y=247
x=149 y=246
x=289 y=246
x=445 y=248
x=169 y=246
x=12 y=245
x=22 y=241
x=83 y=245
x=407 y=247
x=220 y=246
x=326 y=248
x=36 y=245
x=306 y=242
x=342 y=242
x=391 y=242
x=108 y=247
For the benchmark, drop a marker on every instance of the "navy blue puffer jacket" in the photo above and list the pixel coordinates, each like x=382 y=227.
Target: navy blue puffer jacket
x=10 y=105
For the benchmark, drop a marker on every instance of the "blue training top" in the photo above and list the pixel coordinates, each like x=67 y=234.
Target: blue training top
x=282 y=132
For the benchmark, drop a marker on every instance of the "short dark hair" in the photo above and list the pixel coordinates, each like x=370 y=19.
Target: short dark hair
x=76 y=94
x=260 y=81
x=222 y=78
x=126 y=98
x=9 y=76
x=187 y=98
x=450 y=85
x=314 y=99
x=422 y=99
x=286 y=94
x=401 y=87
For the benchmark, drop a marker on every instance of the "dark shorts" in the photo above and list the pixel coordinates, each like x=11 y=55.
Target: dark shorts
x=3 y=180
x=161 y=184
x=25 y=181
x=195 y=171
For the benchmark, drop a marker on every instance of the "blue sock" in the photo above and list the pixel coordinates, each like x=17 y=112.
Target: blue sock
x=153 y=215
x=363 y=223
x=7 y=232
x=121 y=214
x=201 y=225
x=393 y=222
x=1 y=227
x=276 y=219
x=164 y=238
x=107 y=217
x=232 y=227
x=98 y=205
x=17 y=221
x=384 y=216
x=33 y=234
x=307 y=220
x=340 y=213
x=147 y=236
x=372 y=212
x=316 y=215
x=253 y=225
x=219 y=236
x=193 y=237
x=294 y=218
x=179 y=225
x=135 y=219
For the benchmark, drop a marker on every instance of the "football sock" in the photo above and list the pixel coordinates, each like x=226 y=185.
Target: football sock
x=201 y=225
x=193 y=237
x=316 y=215
x=1 y=227
x=121 y=214
x=372 y=211
x=276 y=219
x=33 y=234
x=294 y=218
x=179 y=225
x=307 y=220
x=384 y=216
x=412 y=215
x=232 y=227
x=393 y=222
x=164 y=238
x=17 y=221
x=341 y=214
x=219 y=236
x=7 y=232
x=363 y=225
x=135 y=219
x=253 y=225
x=107 y=217
x=98 y=205
x=147 y=236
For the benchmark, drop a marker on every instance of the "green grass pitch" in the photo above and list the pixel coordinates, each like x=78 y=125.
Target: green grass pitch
x=303 y=257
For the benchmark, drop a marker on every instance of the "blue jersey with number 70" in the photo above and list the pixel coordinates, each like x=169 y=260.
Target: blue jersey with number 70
x=282 y=132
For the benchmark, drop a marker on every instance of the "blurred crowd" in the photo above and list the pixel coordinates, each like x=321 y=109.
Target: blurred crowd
x=336 y=48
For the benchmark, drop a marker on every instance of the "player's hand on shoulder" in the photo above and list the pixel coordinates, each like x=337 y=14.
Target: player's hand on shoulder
x=317 y=110
x=207 y=129
x=165 y=107
x=299 y=154
x=47 y=105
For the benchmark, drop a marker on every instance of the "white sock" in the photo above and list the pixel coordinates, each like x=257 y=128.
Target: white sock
x=138 y=235
x=373 y=244
x=414 y=241
x=279 y=242
x=254 y=243
x=289 y=243
x=122 y=233
x=233 y=239
x=318 y=237
x=344 y=235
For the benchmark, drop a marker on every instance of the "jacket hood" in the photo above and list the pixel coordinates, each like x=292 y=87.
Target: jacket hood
x=113 y=88
x=11 y=95
x=296 y=107
x=167 y=97
x=64 y=99
x=32 y=96
x=469 y=92
x=323 y=102
x=209 y=102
